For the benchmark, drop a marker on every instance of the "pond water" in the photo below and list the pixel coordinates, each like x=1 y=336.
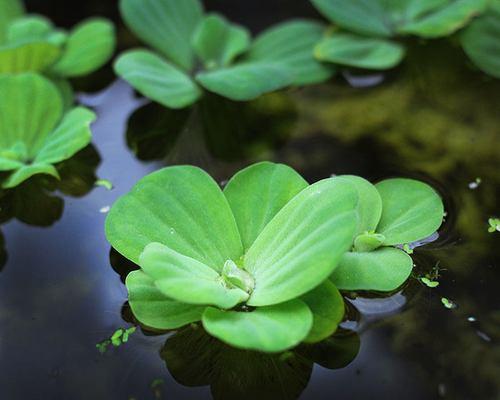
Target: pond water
x=61 y=286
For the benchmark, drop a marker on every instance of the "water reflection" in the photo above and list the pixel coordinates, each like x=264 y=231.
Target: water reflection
x=3 y=252
x=230 y=130
x=36 y=202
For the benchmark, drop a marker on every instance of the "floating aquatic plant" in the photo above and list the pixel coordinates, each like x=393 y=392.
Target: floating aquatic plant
x=31 y=43
x=494 y=225
x=480 y=40
x=392 y=212
x=35 y=131
x=194 y=50
x=369 y=28
x=257 y=256
x=254 y=257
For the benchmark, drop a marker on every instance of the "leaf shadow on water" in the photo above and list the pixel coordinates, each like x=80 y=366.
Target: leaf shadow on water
x=231 y=130
x=34 y=202
x=194 y=358
x=3 y=252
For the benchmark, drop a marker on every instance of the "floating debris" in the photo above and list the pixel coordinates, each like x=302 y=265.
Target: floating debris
x=104 y=183
x=450 y=305
x=105 y=209
x=474 y=185
x=471 y=319
x=494 y=225
x=119 y=337
x=407 y=248
x=428 y=282
x=483 y=336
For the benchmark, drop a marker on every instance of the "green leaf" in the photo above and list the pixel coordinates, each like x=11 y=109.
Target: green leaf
x=384 y=269
x=270 y=329
x=366 y=17
x=480 y=41
x=445 y=20
x=9 y=10
x=181 y=207
x=359 y=51
x=69 y=137
x=246 y=81
x=257 y=193
x=27 y=171
x=30 y=108
x=157 y=79
x=152 y=308
x=30 y=28
x=370 y=203
x=327 y=306
x=187 y=280
x=88 y=47
x=166 y=25
x=35 y=56
x=292 y=43
x=412 y=210
x=217 y=42
x=300 y=247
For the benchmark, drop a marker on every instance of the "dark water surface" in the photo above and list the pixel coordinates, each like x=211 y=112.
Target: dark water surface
x=61 y=289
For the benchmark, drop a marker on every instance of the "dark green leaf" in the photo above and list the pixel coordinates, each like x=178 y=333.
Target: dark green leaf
x=246 y=81
x=167 y=25
x=292 y=44
x=217 y=42
x=157 y=79
x=360 y=51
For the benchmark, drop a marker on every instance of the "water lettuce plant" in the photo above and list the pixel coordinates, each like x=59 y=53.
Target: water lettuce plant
x=196 y=51
x=268 y=253
x=35 y=131
x=480 y=40
x=369 y=28
x=255 y=257
x=393 y=212
x=31 y=43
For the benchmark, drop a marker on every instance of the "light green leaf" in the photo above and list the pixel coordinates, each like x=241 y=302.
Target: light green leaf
x=30 y=108
x=167 y=25
x=303 y=243
x=157 y=79
x=187 y=280
x=217 y=42
x=35 y=56
x=27 y=171
x=480 y=41
x=9 y=10
x=270 y=329
x=366 y=17
x=360 y=51
x=327 y=306
x=292 y=43
x=445 y=20
x=152 y=308
x=88 y=47
x=370 y=203
x=411 y=210
x=181 y=207
x=257 y=193
x=384 y=269
x=69 y=137
x=246 y=81
x=27 y=29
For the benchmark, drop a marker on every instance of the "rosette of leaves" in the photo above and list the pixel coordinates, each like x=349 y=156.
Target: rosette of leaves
x=393 y=212
x=480 y=40
x=368 y=29
x=31 y=43
x=195 y=51
x=251 y=262
x=35 y=132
